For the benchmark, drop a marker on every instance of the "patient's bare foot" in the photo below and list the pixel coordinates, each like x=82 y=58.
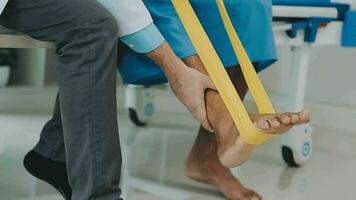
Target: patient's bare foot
x=203 y=165
x=213 y=153
x=281 y=122
x=232 y=150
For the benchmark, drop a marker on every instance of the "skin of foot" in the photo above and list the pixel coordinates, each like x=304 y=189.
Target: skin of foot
x=203 y=165
x=212 y=155
x=232 y=150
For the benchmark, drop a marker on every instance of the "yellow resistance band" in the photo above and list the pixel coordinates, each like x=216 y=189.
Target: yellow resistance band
x=219 y=76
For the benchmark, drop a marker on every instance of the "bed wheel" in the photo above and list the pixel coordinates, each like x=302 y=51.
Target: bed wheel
x=139 y=101
x=135 y=119
x=288 y=157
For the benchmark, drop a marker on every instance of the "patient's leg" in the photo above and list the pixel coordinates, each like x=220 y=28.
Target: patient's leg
x=232 y=151
x=203 y=163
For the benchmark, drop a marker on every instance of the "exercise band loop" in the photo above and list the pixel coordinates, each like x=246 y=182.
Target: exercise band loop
x=248 y=132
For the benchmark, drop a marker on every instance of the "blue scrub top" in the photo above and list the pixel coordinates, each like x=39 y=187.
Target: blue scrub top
x=251 y=18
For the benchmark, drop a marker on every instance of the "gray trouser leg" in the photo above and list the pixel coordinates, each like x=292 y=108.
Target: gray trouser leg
x=86 y=38
x=51 y=144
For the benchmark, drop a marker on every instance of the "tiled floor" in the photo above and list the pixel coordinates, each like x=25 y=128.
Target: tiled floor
x=18 y=134
x=329 y=175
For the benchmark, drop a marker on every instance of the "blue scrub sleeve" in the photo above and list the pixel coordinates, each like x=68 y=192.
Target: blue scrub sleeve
x=145 y=40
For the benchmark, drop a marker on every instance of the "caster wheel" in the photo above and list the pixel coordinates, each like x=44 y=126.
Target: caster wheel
x=139 y=100
x=288 y=157
x=134 y=118
x=296 y=145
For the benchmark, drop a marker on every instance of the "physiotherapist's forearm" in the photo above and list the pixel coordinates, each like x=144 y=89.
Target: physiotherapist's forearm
x=166 y=59
x=188 y=84
x=145 y=40
x=137 y=30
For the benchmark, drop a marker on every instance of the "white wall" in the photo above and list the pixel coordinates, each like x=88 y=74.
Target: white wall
x=332 y=76
x=331 y=86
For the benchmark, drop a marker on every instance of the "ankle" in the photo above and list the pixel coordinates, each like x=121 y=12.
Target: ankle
x=216 y=110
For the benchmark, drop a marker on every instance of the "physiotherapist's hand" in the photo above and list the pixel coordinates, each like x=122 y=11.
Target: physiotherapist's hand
x=188 y=84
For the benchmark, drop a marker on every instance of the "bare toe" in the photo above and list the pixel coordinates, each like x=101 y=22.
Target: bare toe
x=304 y=117
x=251 y=195
x=274 y=123
x=284 y=119
x=255 y=196
x=245 y=195
x=294 y=118
x=263 y=124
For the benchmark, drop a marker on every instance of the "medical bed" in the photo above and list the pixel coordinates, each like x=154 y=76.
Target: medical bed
x=307 y=24
x=302 y=27
x=299 y=28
